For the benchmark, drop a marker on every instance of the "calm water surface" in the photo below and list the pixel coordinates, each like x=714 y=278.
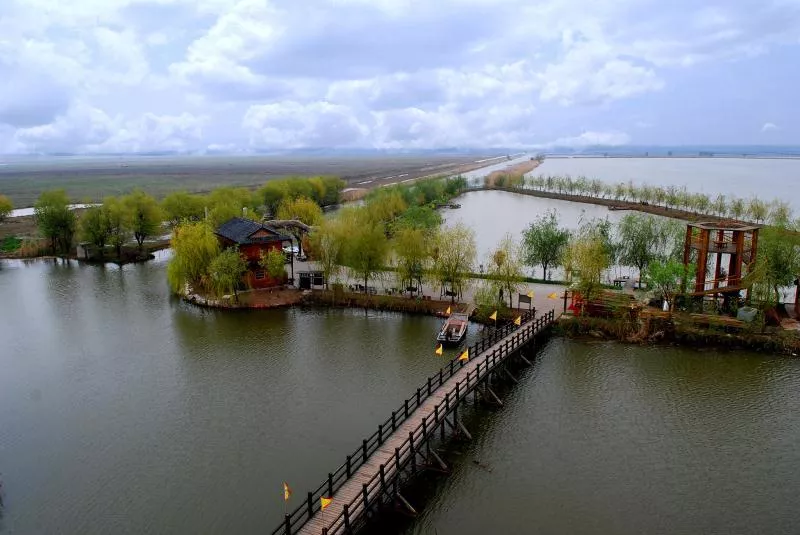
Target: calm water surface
x=603 y=438
x=742 y=177
x=123 y=410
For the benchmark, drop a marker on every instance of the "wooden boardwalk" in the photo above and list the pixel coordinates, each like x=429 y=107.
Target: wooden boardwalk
x=374 y=471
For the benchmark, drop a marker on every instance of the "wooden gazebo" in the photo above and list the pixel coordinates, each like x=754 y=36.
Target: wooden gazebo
x=715 y=242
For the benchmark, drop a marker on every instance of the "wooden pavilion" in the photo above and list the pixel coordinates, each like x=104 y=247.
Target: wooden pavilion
x=710 y=244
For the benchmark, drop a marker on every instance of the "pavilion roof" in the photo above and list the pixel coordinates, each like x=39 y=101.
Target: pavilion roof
x=241 y=231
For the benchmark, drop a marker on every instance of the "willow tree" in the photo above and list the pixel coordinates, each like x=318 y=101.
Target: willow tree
x=640 y=240
x=544 y=242
x=453 y=257
x=412 y=255
x=182 y=206
x=117 y=219
x=302 y=209
x=6 y=207
x=586 y=258
x=55 y=219
x=505 y=268
x=194 y=247
x=225 y=272
x=365 y=252
x=144 y=215
x=274 y=263
x=327 y=243
x=95 y=228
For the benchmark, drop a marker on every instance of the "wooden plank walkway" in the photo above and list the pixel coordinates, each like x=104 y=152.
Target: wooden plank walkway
x=368 y=473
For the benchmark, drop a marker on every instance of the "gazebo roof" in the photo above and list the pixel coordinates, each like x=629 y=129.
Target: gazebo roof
x=246 y=232
x=725 y=225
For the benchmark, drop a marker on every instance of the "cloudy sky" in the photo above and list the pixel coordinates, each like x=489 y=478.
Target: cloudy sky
x=143 y=75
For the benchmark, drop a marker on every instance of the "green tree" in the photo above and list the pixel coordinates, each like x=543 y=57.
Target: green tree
x=757 y=209
x=419 y=217
x=640 y=240
x=117 y=218
x=505 y=268
x=6 y=207
x=667 y=278
x=95 y=227
x=55 y=219
x=182 y=206
x=225 y=272
x=144 y=215
x=453 y=257
x=327 y=247
x=544 y=242
x=194 y=247
x=365 y=253
x=274 y=263
x=586 y=258
x=412 y=255
x=226 y=203
x=779 y=254
x=302 y=209
x=272 y=194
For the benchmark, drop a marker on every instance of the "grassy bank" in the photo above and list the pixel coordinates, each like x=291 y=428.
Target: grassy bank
x=677 y=333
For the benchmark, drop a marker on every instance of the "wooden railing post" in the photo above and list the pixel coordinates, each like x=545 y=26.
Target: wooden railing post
x=383 y=478
x=418 y=397
x=429 y=386
x=413 y=452
x=397 y=461
x=330 y=484
x=364 y=450
x=365 y=497
x=349 y=462
x=394 y=425
x=380 y=434
x=441 y=377
x=406 y=408
x=310 y=504
x=347 y=518
x=287 y=522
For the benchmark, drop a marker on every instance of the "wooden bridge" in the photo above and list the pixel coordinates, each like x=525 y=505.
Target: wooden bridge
x=401 y=448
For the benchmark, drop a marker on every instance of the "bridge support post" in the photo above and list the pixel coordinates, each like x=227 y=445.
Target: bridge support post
x=513 y=379
x=407 y=505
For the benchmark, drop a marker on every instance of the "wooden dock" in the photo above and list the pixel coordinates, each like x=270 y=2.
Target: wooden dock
x=376 y=472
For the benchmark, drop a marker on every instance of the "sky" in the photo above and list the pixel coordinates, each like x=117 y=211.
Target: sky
x=127 y=76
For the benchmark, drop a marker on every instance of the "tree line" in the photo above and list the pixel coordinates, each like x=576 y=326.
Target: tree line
x=139 y=216
x=673 y=197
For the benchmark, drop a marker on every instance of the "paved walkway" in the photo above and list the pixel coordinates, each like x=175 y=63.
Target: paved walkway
x=388 y=280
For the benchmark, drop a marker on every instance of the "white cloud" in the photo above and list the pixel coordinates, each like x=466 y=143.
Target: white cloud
x=769 y=126
x=133 y=75
x=589 y=139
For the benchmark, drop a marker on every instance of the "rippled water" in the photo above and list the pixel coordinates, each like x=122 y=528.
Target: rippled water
x=603 y=438
x=123 y=410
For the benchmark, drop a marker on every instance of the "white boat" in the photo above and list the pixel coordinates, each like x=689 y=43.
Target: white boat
x=453 y=330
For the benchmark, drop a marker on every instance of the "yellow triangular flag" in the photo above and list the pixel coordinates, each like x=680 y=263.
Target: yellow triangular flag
x=530 y=294
x=439 y=350
x=553 y=296
x=287 y=492
x=448 y=311
x=325 y=502
x=493 y=316
x=518 y=321
x=464 y=356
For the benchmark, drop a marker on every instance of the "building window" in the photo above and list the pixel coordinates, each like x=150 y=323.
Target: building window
x=259 y=275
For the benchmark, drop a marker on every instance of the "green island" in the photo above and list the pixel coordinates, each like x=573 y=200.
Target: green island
x=704 y=270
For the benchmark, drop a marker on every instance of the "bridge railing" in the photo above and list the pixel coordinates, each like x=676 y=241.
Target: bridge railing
x=293 y=521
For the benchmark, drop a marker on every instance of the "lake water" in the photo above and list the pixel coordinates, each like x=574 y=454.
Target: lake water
x=741 y=177
x=124 y=410
x=604 y=438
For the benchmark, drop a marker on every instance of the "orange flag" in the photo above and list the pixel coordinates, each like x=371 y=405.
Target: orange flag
x=439 y=350
x=553 y=296
x=448 y=311
x=464 y=356
x=325 y=502
x=493 y=316
x=530 y=294
x=518 y=321
x=287 y=492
